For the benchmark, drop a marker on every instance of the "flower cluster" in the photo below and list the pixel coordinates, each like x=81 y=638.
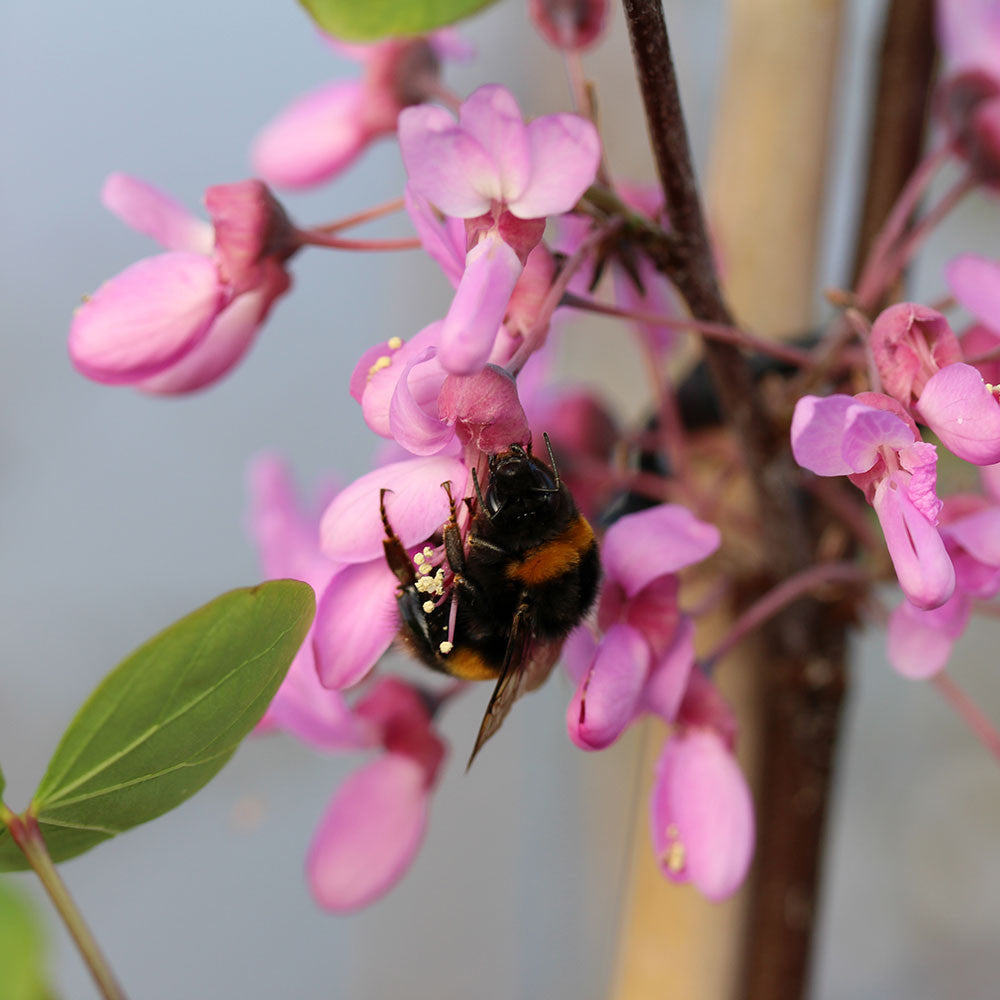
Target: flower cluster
x=644 y=662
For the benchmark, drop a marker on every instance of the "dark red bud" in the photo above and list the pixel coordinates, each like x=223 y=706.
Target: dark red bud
x=569 y=24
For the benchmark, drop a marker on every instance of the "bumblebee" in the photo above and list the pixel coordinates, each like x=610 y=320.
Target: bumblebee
x=502 y=601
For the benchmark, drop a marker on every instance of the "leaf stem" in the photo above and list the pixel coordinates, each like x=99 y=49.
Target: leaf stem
x=25 y=833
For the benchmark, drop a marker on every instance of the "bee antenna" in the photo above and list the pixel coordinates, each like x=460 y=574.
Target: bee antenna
x=479 y=494
x=552 y=460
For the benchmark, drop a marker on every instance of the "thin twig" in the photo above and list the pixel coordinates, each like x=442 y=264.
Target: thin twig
x=358 y=218
x=780 y=597
x=713 y=331
x=969 y=712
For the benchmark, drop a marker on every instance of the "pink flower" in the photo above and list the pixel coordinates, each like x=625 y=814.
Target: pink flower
x=325 y=131
x=643 y=661
x=179 y=321
x=878 y=448
x=920 y=642
x=702 y=813
x=356 y=616
x=407 y=395
x=503 y=177
x=288 y=540
x=374 y=826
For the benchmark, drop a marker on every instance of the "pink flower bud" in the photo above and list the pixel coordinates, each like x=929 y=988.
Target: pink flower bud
x=569 y=24
x=910 y=343
x=249 y=226
x=485 y=410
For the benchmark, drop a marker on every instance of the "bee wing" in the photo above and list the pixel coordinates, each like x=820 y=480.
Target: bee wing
x=512 y=675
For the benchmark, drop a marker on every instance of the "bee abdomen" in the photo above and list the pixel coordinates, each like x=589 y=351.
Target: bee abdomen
x=555 y=558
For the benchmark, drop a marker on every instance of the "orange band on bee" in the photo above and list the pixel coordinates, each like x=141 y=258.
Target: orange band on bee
x=550 y=561
x=468 y=664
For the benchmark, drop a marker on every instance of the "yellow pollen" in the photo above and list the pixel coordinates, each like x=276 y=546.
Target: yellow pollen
x=381 y=362
x=419 y=558
x=428 y=607
x=394 y=343
x=428 y=551
x=674 y=857
x=446 y=647
x=425 y=568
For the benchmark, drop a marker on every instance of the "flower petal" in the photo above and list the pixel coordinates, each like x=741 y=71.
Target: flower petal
x=485 y=410
x=818 y=433
x=314 y=138
x=377 y=374
x=445 y=164
x=477 y=310
x=578 y=653
x=867 y=430
x=975 y=283
x=917 y=551
x=964 y=414
x=664 y=539
x=565 y=153
x=491 y=116
x=668 y=678
x=356 y=620
x=978 y=534
x=443 y=240
x=702 y=814
x=153 y=212
x=369 y=834
x=413 y=419
x=607 y=699
x=919 y=642
x=227 y=341
x=146 y=318
x=351 y=529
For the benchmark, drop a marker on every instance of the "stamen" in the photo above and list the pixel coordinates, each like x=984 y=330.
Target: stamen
x=425 y=568
x=446 y=647
x=420 y=558
x=674 y=855
x=394 y=343
x=383 y=361
x=429 y=607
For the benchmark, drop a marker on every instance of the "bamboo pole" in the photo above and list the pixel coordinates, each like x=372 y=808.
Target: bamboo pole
x=765 y=195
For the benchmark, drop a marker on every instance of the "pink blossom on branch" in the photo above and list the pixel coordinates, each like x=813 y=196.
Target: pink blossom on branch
x=325 y=131
x=503 y=178
x=179 y=321
x=374 y=826
x=873 y=441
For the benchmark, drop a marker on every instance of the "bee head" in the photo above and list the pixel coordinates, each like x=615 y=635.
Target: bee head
x=520 y=485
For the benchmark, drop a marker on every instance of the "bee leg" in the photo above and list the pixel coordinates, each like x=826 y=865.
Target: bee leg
x=477 y=542
x=395 y=555
x=453 y=537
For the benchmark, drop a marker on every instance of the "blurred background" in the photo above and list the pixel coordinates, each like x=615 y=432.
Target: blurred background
x=120 y=513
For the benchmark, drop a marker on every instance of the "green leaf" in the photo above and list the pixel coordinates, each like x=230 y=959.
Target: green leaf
x=22 y=951
x=162 y=723
x=368 y=20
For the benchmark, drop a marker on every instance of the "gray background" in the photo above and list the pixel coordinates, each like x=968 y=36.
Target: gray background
x=119 y=513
